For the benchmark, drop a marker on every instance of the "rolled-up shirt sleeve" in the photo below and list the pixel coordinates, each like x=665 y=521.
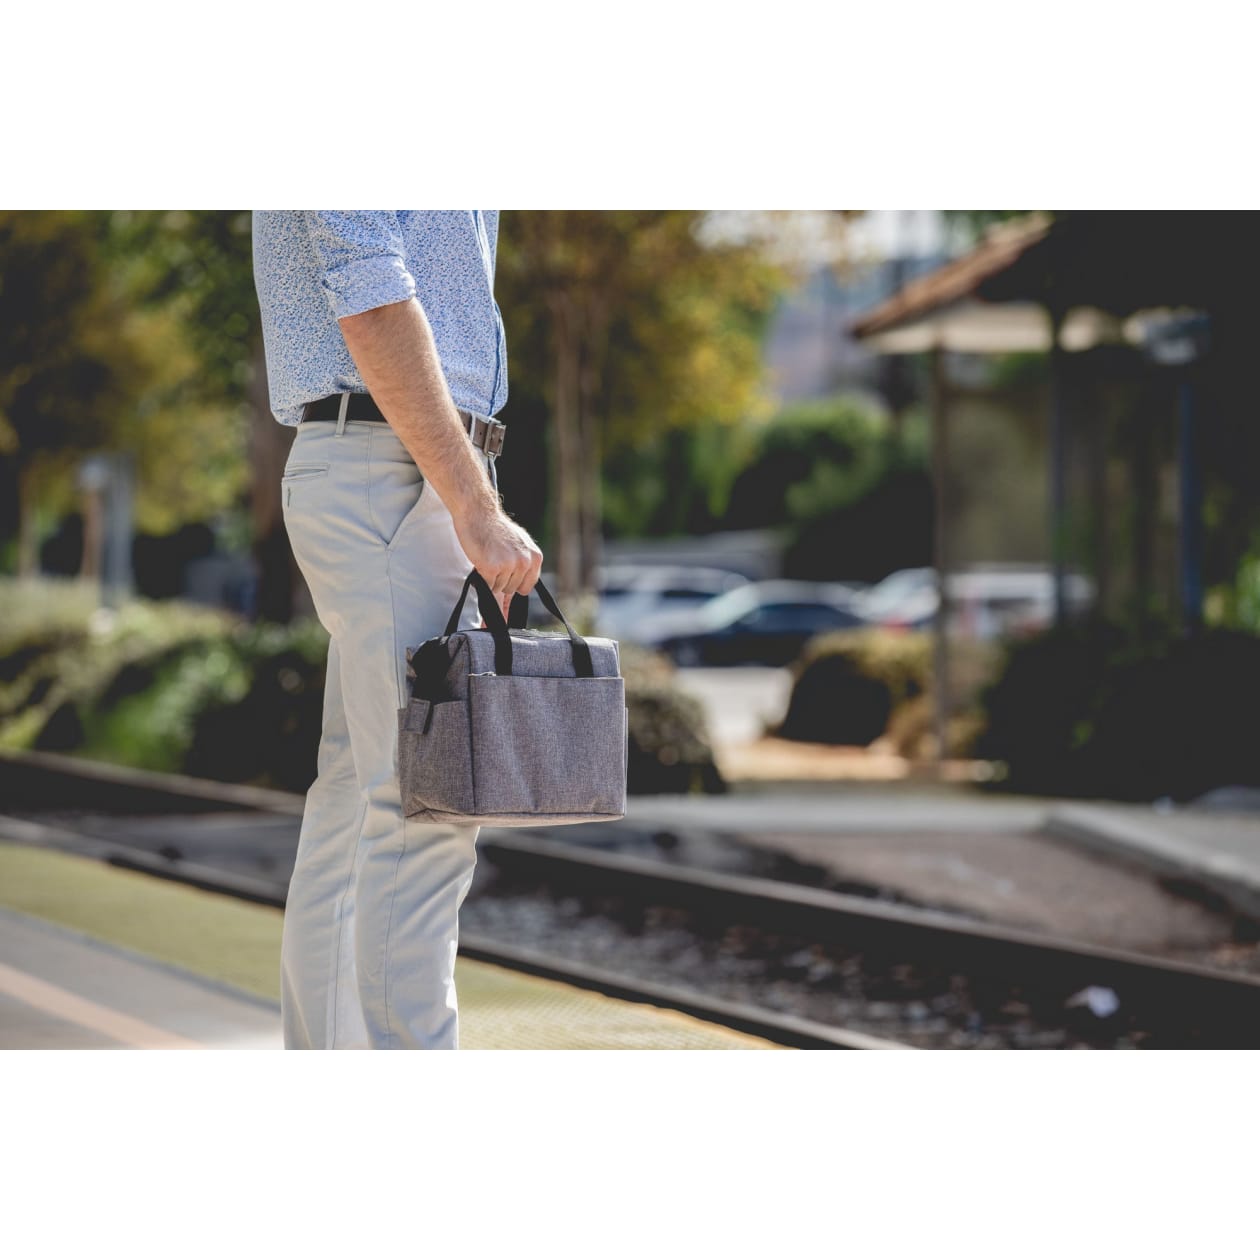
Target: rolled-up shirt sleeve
x=362 y=264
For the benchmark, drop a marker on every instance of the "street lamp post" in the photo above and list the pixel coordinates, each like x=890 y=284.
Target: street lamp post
x=107 y=481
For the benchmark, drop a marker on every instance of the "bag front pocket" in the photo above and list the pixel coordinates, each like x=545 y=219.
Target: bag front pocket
x=435 y=765
x=548 y=745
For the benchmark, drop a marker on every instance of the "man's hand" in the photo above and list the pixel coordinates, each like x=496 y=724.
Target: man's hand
x=502 y=552
x=393 y=348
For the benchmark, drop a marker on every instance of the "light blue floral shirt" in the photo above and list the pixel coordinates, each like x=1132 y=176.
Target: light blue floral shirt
x=312 y=267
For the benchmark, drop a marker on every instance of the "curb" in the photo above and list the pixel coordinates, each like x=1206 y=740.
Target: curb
x=1110 y=836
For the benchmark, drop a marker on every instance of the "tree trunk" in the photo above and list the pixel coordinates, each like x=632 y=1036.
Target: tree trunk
x=93 y=533
x=28 y=540
x=269 y=444
x=593 y=360
x=566 y=453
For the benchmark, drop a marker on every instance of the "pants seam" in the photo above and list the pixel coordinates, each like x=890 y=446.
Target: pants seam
x=339 y=918
x=402 y=848
x=367 y=485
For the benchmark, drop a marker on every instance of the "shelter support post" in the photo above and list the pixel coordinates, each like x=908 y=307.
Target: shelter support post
x=940 y=552
x=1058 y=466
x=1098 y=451
x=1191 y=524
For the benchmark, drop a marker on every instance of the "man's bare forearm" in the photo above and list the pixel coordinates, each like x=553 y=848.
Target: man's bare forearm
x=393 y=348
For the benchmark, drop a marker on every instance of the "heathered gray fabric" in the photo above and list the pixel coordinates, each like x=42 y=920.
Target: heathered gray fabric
x=534 y=653
x=436 y=767
x=538 y=745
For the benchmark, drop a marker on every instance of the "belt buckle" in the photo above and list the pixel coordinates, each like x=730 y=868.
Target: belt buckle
x=495 y=432
x=487 y=434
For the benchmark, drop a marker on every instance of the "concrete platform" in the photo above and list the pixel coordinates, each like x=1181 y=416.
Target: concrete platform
x=64 y=990
x=1217 y=849
x=92 y=957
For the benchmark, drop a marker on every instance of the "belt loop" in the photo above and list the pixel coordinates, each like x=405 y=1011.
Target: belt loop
x=341 y=411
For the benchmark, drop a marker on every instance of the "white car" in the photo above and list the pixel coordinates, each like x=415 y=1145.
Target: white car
x=987 y=601
x=633 y=595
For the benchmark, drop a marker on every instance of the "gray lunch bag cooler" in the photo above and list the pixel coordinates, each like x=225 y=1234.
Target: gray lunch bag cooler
x=513 y=727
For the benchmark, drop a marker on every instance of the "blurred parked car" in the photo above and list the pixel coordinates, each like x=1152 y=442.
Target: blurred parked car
x=987 y=601
x=632 y=594
x=887 y=601
x=763 y=623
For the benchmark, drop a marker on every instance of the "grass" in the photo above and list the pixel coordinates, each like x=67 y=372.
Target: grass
x=216 y=936
x=239 y=944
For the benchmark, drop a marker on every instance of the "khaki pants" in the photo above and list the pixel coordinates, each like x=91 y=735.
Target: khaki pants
x=371 y=922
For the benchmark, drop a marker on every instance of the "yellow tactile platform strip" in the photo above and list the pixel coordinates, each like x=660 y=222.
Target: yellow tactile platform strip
x=239 y=943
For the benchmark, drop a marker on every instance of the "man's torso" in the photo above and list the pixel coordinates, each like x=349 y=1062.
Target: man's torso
x=311 y=266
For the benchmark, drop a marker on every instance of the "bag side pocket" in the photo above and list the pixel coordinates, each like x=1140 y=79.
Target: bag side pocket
x=435 y=764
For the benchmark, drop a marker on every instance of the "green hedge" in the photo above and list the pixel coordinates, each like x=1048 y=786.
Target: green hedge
x=846 y=684
x=1092 y=712
x=669 y=741
x=180 y=688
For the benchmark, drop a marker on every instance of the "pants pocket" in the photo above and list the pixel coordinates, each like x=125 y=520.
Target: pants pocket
x=396 y=488
x=303 y=472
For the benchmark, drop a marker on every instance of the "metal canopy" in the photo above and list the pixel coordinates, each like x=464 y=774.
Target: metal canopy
x=974 y=327
x=1097 y=270
x=1083 y=280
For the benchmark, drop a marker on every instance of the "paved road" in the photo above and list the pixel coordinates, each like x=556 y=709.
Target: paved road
x=739 y=700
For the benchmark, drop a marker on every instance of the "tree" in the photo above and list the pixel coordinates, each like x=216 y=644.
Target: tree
x=621 y=325
x=113 y=342
x=199 y=264
x=69 y=363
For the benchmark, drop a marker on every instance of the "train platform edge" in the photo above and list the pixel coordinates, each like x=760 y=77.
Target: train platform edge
x=95 y=957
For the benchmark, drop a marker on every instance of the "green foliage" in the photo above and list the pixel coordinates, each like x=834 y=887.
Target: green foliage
x=1247 y=595
x=677 y=482
x=199 y=264
x=126 y=331
x=155 y=728
x=810 y=458
x=971 y=225
x=856 y=686
x=188 y=281
x=178 y=688
x=1094 y=712
x=828 y=470
x=161 y=685
x=634 y=322
x=672 y=325
x=160 y=724
x=669 y=746
x=853 y=492
x=847 y=683
x=69 y=360
x=59 y=654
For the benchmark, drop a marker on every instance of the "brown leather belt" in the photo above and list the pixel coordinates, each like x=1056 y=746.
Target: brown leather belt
x=486 y=433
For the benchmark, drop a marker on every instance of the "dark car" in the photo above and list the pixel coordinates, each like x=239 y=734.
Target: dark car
x=765 y=623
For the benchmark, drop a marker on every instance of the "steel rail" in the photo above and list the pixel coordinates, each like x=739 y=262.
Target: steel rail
x=1203 y=997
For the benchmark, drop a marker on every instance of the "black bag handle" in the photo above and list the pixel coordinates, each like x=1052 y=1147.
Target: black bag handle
x=518 y=612
x=492 y=614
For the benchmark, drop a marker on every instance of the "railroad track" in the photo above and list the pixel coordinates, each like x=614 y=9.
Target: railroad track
x=904 y=955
